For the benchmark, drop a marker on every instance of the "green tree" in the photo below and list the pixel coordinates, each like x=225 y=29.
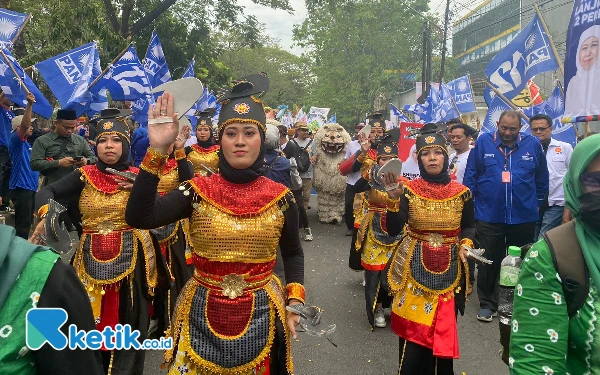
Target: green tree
x=354 y=45
x=288 y=78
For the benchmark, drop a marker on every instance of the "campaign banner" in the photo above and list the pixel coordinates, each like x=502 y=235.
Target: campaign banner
x=407 y=149
x=582 y=70
x=528 y=54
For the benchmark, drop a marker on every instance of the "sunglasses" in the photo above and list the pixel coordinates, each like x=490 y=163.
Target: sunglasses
x=539 y=130
x=590 y=179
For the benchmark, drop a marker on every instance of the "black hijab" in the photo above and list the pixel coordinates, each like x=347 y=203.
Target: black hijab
x=441 y=178
x=243 y=176
x=206 y=144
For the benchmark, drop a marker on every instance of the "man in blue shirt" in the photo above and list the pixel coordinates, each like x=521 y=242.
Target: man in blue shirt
x=23 y=181
x=6 y=117
x=139 y=145
x=507 y=174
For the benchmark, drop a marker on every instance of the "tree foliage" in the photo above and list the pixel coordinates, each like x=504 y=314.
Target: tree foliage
x=288 y=79
x=354 y=44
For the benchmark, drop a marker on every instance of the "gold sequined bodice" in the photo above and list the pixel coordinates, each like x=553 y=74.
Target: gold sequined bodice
x=435 y=214
x=102 y=211
x=209 y=158
x=168 y=181
x=220 y=236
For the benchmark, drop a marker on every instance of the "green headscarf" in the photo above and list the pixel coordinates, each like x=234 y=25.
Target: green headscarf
x=589 y=239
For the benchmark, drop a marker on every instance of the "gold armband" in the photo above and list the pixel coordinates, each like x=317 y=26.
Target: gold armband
x=180 y=154
x=393 y=204
x=295 y=291
x=42 y=211
x=361 y=157
x=466 y=241
x=153 y=161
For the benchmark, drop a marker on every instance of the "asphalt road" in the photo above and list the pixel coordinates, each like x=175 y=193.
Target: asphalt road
x=353 y=348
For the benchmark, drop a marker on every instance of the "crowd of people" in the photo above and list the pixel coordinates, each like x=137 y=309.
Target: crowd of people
x=204 y=244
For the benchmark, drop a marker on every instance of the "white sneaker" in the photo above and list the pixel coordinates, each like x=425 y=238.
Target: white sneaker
x=308 y=234
x=379 y=318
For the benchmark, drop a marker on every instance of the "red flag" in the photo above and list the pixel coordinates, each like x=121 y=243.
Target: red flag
x=407 y=139
x=534 y=91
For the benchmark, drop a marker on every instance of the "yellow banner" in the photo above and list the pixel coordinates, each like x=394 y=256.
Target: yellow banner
x=523 y=99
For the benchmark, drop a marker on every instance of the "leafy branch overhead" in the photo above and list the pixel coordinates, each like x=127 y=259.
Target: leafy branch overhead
x=145 y=12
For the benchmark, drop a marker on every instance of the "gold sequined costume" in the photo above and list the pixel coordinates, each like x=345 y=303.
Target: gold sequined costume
x=426 y=275
x=202 y=158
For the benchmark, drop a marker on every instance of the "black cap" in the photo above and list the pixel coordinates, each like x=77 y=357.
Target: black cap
x=429 y=136
x=241 y=103
x=388 y=145
x=66 y=114
x=377 y=120
x=112 y=126
x=114 y=113
x=205 y=117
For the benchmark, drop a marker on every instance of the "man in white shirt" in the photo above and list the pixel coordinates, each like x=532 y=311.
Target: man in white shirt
x=558 y=155
x=351 y=179
x=460 y=136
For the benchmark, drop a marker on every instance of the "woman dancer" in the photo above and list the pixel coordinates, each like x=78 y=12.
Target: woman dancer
x=116 y=264
x=173 y=238
x=373 y=240
x=428 y=272
x=230 y=317
x=204 y=155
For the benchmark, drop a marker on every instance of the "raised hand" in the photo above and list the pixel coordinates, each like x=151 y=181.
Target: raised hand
x=365 y=144
x=163 y=123
x=393 y=185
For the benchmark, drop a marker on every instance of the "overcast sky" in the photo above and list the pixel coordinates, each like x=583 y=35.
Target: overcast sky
x=279 y=23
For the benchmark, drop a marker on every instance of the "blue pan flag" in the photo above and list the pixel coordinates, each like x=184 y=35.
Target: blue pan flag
x=528 y=54
x=14 y=91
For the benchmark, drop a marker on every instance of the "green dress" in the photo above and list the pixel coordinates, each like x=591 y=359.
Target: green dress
x=543 y=339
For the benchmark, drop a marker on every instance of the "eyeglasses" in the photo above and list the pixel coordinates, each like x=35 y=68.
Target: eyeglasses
x=539 y=130
x=590 y=179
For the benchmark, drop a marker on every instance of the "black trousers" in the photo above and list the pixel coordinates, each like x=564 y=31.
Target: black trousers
x=23 y=201
x=495 y=238
x=416 y=359
x=348 y=206
x=303 y=217
x=5 y=166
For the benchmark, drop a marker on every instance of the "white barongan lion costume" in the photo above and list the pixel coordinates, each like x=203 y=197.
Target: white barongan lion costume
x=330 y=141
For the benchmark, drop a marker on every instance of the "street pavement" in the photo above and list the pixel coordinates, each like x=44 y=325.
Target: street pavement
x=353 y=348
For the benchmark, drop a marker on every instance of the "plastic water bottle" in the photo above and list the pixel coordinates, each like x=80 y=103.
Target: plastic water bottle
x=509 y=274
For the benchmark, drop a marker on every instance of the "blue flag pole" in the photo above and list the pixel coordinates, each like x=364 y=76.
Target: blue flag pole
x=558 y=59
x=14 y=71
x=108 y=67
x=20 y=30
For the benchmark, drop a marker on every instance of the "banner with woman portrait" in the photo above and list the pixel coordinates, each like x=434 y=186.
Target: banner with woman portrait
x=582 y=68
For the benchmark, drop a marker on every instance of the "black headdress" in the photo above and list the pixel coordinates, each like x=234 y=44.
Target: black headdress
x=388 y=145
x=377 y=120
x=429 y=136
x=241 y=103
x=112 y=121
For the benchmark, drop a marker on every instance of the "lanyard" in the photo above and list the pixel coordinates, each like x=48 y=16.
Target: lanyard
x=503 y=153
x=506 y=155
